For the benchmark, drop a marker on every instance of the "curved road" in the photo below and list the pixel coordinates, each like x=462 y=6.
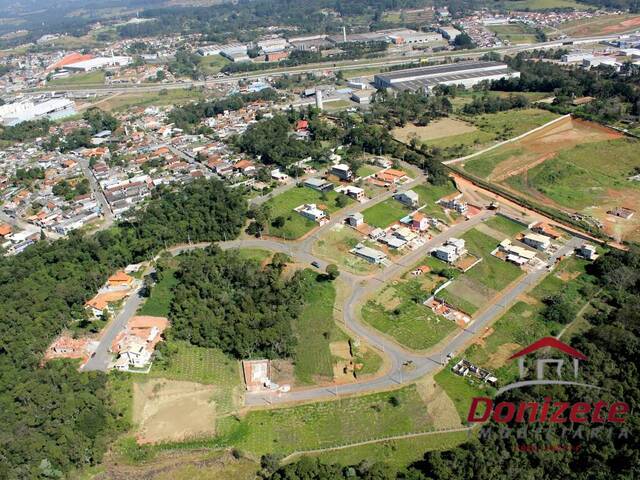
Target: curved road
x=360 y=287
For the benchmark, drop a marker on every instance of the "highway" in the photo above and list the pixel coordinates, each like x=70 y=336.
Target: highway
x=314 y=68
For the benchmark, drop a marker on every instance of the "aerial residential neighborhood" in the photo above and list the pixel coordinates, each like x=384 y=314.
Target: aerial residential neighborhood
x=320 y=240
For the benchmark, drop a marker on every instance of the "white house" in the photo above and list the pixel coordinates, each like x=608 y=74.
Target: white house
x=355 y=219
x=587 y=252
x=451 y=250
x=535 y=240
x=342 y=171
x=408 y=198
x=369 y=254
x=312 y=212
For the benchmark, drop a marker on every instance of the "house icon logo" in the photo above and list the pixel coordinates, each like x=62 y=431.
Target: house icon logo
x=566 y=373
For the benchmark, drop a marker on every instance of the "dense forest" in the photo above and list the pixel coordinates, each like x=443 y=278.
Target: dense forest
x=55 y=418
x=225 y=301
x=588 y=451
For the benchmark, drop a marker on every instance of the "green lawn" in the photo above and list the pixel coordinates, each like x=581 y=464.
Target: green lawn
x=159 y=301
x=398 y=311
x=461 y=389
x=504 y=225
x=385 y=213
x=91 y=78
x=523 y=323
x=335 y=246
x=203 y=365
x=578 y=178
x=315 y=330
x=515 y=32
x=295 y=224
x=257 y=254
x=326 y=424
x=491 y=272
x=212 y=64
x=367 y=169
x=397 y=453
x=492 y=127
x=429 y=194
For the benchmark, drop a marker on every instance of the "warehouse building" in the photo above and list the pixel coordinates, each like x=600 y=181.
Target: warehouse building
x=53 y=109
x=98 y=63
x=462 y=73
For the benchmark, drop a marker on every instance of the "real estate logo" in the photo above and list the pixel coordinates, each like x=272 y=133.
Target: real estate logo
x=547 y=411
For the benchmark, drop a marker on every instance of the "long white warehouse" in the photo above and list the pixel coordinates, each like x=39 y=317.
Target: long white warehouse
x=425 y=78
x=54 y=109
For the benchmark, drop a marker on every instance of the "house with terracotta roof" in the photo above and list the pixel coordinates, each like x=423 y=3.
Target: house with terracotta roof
x=100 y=304
x=120 y=279
x=136 y=343
x=419 y=222
x=5 y=229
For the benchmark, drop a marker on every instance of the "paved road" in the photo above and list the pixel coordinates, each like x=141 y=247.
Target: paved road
x=350 y=65
x=97 y=191
x=102 y=357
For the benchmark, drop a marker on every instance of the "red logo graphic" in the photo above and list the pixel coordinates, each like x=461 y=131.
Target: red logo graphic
x=547 y=411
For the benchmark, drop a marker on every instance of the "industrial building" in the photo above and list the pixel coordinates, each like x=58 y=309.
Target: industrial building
x=412 y=37
x=97 y=63
x=461 y=73
x=54 y=109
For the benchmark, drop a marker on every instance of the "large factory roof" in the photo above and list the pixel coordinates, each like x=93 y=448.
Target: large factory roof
x=423 y=83
x=434 y=70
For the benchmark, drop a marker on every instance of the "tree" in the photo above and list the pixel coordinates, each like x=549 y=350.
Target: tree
x=332 y=271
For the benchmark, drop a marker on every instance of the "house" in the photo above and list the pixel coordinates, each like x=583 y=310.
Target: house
x=279 y=176
x=516 y=254
x=257 y=374
x=312 y=212
x=586 y=251
x=535 y=240
x=245 y=167
x=419 y=222
x=454 y=202
x=136 y=344
x=99 y=304
x=120 y=280
x=404 y=233
x=356 y=193
x=408 y=198
x=342 y=171
x=391 y=176
x=302 y=125
x=393 y=242
x=5 y=229
x=544 y=228
x=376 y=234
x=451 y=250
x=318 y=184
x=355 y=220
x=369 y=254
x=422 y=269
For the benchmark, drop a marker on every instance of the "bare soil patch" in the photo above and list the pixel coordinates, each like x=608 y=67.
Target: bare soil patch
x=440 y=408
x=169 y=410
x=445 y=127
x=501 y=355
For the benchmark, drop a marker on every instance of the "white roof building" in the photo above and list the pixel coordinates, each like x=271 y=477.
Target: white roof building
x=54 y=109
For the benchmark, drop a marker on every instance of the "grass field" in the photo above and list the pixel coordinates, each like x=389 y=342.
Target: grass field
x=398 y=311
x=295 y=224
x=460 y=390
x=315 y=330
x=492 y=127
x=504 y=225
x=159 y=301
x=514 y=33
x=334 y=246
x=474 y=289
x=327 y=424
x=397 y=453
x=601 y=25
x=444 y=127
x=429 y=194
x=203 y=365
x=256 y=254
x=212 y=64
x=168 y=97
x=79 y=79
x=561 y=166
x=523 y=322
x=385 y=213
x=543 y=4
